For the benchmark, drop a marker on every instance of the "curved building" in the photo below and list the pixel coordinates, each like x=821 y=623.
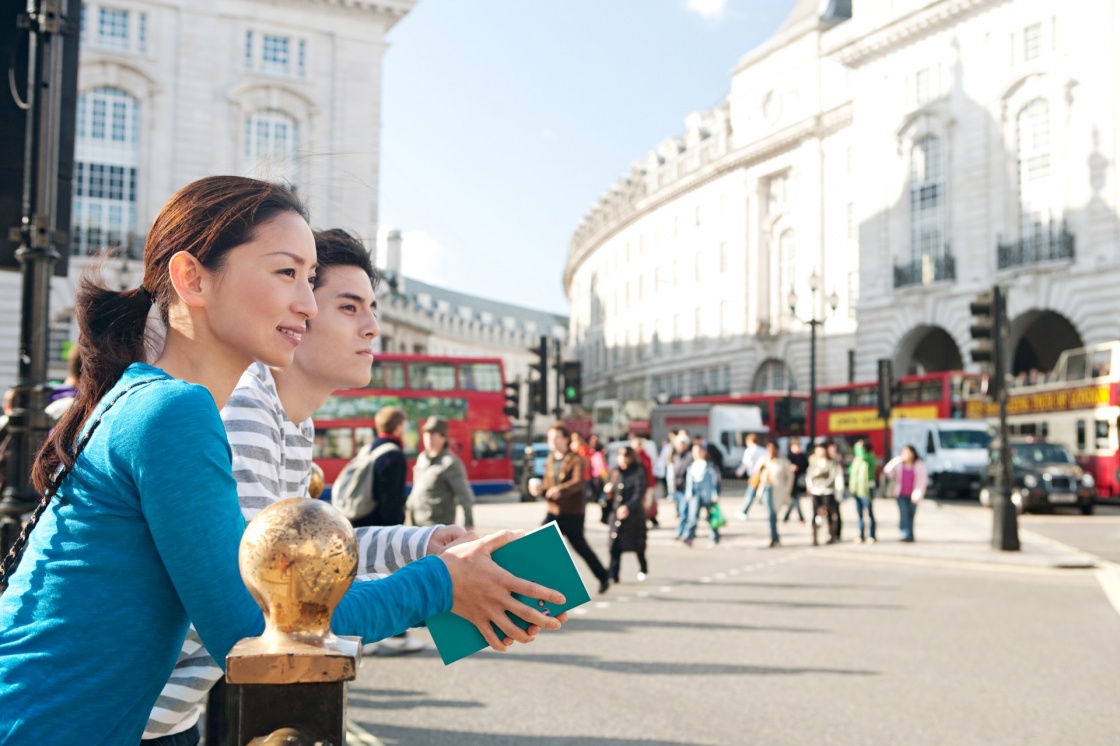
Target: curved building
x=900 y=159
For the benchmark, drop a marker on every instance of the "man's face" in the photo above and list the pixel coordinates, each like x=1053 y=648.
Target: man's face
x=337 y=348
x=557 y=442
x=434 y=442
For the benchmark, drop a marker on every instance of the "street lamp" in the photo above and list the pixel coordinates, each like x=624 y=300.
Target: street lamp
x=813 y=322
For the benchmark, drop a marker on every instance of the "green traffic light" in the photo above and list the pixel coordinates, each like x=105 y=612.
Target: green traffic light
x=570 y=393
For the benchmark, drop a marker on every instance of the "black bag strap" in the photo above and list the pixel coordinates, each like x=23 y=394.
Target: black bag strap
x=11 y=561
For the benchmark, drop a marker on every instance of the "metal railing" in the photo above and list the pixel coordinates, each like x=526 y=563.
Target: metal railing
x=926 y=270
x=1045 y=243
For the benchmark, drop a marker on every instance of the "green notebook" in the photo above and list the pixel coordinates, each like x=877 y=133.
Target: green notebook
x=540 y=556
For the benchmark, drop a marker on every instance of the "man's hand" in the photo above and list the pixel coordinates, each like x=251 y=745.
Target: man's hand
x=622 y=512
x=481 y=592
x=553 y=493
x=445 y=536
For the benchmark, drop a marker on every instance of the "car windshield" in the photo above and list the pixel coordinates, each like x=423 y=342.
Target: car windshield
x=964 y=439
x=1029 y=454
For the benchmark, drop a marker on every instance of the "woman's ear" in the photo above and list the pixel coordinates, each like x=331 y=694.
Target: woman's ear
x=187 y=277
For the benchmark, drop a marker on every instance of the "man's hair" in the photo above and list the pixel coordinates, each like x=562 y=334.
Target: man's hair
x=335 y=247
x=562 y=429
x=388 y=419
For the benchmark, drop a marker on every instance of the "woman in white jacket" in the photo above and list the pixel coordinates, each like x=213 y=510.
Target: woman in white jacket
x=908 y=480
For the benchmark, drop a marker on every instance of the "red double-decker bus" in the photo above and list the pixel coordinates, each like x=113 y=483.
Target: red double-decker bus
x=851 y=411
x=469 y=392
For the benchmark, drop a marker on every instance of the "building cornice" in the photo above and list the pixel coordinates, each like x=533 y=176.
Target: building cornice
x=628 y=212
x=907 y=28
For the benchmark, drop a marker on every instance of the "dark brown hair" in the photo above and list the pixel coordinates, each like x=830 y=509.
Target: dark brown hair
x=335 y=247
x=207 y=218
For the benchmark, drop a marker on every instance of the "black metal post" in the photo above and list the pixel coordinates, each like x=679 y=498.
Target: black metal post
x=1005 y=519
x=814 y=322
x=52 y=26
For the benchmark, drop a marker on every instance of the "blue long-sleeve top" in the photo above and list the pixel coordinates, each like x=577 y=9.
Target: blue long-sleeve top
x=142 y=537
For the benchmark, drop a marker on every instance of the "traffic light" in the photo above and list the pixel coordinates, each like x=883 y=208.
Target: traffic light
x=573 y=388
x=885 y=393
x=989 y=312
x=539 y=388
x=513 y=400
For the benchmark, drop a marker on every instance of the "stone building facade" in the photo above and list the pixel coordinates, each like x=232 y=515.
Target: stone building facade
x=171 y=91
x=899 y=159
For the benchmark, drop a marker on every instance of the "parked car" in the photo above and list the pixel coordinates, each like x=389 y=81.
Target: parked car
x=1046 y=476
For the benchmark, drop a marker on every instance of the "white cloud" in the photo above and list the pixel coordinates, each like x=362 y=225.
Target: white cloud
x=706 y=8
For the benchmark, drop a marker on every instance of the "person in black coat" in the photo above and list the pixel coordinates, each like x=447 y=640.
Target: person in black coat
x=625 y=488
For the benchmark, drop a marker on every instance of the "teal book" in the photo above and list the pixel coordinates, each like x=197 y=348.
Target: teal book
x=540 y=556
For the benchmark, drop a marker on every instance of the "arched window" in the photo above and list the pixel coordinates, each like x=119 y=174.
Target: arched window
x=106 y=153
x=773 y=375
x=927 y=200
x=272 y=146
x=1033 y=138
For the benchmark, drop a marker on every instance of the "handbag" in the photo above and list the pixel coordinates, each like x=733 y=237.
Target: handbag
x=715 y=516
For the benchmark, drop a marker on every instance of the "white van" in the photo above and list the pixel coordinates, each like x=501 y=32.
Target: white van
x=725 y=426
x=955 y=452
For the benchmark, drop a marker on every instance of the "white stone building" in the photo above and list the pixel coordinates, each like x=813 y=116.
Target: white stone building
x=901 y=161
x=173 y=90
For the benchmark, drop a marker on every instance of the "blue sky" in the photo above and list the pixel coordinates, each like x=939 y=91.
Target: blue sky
x=504 y=120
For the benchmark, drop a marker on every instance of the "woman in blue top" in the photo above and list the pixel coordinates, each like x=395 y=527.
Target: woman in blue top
x=142 y=534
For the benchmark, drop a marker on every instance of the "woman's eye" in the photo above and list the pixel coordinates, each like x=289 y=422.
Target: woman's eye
x=289 y=272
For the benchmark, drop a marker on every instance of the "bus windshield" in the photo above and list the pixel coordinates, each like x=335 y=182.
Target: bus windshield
x=1028 y=454
x=964 y=439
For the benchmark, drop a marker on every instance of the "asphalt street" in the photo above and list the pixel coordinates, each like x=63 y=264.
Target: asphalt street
x=741 y=644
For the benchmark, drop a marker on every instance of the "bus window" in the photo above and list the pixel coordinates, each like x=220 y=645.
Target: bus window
x=930 y=391
x=1080 y=435
x=489 y=444
x=431 y=376
x=1102 y=363
x=386 y=376
x=334 y=442
x=1075 y=366
x=1102 y=435
x=480 y=377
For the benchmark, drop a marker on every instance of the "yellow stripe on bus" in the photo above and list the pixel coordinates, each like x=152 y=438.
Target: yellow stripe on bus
x=867 y=420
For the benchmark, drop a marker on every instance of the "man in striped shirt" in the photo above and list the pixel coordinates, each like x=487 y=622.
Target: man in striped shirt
x=268 y=423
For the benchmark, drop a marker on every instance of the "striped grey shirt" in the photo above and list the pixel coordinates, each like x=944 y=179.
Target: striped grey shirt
x=256 y=425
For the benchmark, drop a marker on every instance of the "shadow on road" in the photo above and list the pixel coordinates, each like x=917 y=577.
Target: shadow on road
x=782 y=604
x=580 y=624
x=667 y=668
x=429 y=737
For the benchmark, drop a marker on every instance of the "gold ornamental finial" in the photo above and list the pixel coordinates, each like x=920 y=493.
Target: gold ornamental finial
x=315 y=487
x=298 y=557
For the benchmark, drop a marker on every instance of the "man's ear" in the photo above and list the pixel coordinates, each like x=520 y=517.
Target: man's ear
x=187 y=277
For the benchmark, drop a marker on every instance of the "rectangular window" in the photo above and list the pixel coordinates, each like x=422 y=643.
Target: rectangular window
x=480 y=377
x=248 y=50
x=1102 y=427
x=301 y=61
x=275 y=54
x=142 y=32
x=1080 y=435
x=386 y=375
x=1032 y=42
x=922 y=87
x=112 y=28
